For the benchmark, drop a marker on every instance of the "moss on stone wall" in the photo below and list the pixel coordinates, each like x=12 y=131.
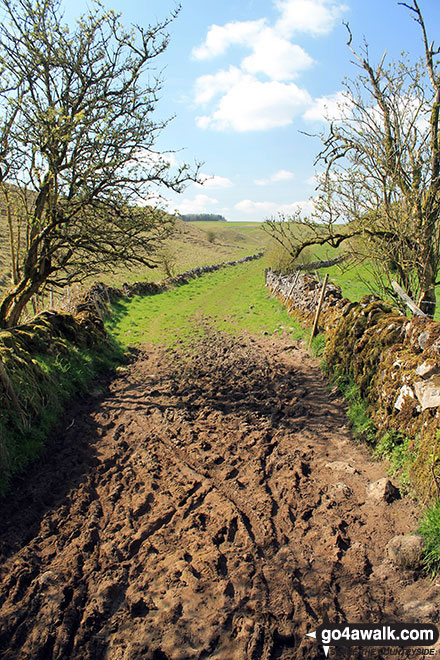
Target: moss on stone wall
x=395 y=362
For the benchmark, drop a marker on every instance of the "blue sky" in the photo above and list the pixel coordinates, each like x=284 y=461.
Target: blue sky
x=244 y=78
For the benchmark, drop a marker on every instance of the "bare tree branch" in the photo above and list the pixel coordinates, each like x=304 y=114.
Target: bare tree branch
x=379 y=192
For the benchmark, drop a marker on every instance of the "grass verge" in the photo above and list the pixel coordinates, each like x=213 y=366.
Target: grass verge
x=45 y=387
x=430 y=531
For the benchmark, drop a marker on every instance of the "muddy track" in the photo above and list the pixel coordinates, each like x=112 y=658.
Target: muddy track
x=208 y=503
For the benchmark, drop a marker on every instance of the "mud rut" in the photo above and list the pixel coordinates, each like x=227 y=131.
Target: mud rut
x=208 y=503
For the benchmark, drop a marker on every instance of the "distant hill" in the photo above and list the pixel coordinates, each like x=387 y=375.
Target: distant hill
x=203 y=217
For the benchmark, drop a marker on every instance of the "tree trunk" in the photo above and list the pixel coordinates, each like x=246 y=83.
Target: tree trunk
x=427 y=300
x=14 y=303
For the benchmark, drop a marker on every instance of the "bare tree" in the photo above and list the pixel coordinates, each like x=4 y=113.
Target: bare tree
x=380 y=190
x=80 y=174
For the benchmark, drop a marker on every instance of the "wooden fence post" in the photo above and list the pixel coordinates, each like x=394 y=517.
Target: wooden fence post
x=295 y=279
x=318 y=309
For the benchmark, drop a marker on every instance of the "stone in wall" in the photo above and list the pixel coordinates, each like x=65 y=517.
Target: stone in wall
x=428 y=392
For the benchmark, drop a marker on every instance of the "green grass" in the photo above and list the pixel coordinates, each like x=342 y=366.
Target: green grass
x=362 y=426
x=430 y=531
x=353 y=281
x=53 y=380
x=318 y=343
x=231 y=300
x=396 y=448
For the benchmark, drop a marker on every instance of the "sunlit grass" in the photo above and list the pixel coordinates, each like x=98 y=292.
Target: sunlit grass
x=430 y=530
x=232 y=299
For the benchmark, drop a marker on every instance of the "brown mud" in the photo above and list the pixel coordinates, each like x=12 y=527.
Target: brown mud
x=207 y=503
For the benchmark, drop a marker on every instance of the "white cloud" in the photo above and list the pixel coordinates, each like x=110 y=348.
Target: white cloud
x=316 y=17
x=271 y=54
x=215 y=182
x=250 y=105
x=220 y=37
x=276 y=57
x=211 y=85
x=262 y=209
x=327 y=108
x=197 y=205
x=306 y=207
x=281 y=175
x=249 y=207
x=259 y=94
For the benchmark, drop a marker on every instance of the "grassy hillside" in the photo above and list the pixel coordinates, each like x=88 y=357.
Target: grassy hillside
x=198 y=244
x=193 y=244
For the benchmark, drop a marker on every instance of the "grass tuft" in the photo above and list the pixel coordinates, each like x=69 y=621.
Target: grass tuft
x=398 y=450
x=430 y=531
x=317 y=346
x=361 y=424
x=53 y=380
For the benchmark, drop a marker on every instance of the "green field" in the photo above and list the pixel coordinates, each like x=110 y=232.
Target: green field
x=204 y=243
x=232 y=299
x=193 y=244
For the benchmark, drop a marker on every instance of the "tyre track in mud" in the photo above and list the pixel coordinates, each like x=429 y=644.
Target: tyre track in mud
x=210 y=503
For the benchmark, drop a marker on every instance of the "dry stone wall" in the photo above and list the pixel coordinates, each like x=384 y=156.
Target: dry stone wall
x=42 y=363
x=52 y=334
x=394 y=360
x=300 y=293
x=98 y=298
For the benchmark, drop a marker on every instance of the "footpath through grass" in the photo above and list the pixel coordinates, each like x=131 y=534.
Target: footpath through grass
x=231 y=300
